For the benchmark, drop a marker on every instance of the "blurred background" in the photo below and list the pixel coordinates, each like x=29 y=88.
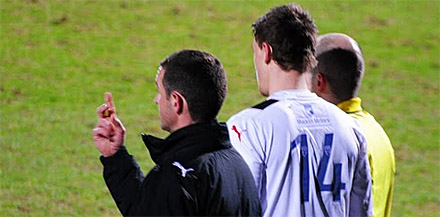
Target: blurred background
x=58 y=57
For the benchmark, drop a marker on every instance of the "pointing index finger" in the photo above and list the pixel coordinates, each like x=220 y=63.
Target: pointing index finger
x=110 y=103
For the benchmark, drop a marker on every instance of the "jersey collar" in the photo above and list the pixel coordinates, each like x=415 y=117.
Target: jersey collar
x=352 y=105
x=291 y=93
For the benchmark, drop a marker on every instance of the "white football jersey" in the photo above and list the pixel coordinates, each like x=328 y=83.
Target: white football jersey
x=308 y=157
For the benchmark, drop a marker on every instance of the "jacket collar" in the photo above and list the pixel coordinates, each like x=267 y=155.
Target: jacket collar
x=187 y=143
x=352 y=105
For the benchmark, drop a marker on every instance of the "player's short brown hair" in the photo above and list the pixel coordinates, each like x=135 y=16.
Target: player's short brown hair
x=291 y=33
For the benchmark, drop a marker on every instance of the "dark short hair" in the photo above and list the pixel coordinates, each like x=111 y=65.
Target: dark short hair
x=291 y=33
x=343 y=69
x=200 y=78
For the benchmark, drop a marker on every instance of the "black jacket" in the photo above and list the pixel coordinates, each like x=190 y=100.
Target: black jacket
x=197 y=172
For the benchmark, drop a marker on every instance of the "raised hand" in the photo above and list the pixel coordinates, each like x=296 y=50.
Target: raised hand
x=109 y=134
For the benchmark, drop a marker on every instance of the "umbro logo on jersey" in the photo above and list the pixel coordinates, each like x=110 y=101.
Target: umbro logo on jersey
x=234 y=128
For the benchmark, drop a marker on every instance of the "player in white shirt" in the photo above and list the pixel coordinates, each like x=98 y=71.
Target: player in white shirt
x=308 y=158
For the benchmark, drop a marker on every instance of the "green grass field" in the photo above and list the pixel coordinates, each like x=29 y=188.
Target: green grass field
x=57 y=58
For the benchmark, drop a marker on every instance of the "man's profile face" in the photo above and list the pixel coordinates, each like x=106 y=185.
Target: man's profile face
x=165 y=109
x=258 y=63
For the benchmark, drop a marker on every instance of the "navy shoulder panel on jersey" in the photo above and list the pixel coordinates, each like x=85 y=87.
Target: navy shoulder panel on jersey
x=265 y=104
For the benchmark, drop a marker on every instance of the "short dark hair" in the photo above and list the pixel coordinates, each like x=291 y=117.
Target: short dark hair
x=200 y=78
x=343 y=69
x=291 y=33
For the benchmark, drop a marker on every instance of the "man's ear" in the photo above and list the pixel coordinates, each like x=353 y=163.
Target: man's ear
x=178 y=102
x=267 y=49
x=321 y=82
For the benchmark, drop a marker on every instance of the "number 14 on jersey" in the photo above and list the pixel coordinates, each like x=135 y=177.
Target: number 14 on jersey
x=336 y=186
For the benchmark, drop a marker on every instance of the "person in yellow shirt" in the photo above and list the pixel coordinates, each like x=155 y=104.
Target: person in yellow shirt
x=337 y=78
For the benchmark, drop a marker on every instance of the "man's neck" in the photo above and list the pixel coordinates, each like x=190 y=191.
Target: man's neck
x=286 y=80
x=181 y=122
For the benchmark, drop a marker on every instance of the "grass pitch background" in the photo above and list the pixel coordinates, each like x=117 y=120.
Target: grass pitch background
x=58 y=57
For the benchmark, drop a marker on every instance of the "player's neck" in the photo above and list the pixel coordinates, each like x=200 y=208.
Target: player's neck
x=286 y=80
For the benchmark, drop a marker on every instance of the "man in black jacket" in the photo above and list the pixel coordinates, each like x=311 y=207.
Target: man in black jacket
x=197 y=171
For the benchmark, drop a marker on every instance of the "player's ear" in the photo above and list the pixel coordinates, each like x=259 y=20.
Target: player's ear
x=178 y=102
x=267 y=52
